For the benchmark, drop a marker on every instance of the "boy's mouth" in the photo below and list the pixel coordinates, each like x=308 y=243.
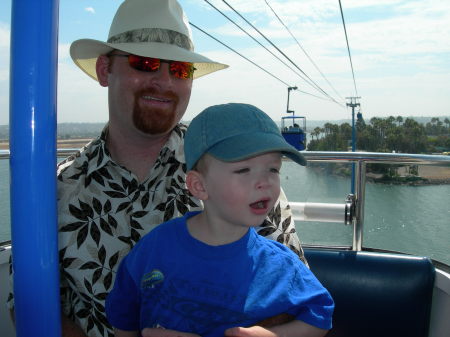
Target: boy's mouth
x=261 y=204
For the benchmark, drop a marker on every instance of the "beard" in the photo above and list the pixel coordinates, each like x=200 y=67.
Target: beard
x=153 y=120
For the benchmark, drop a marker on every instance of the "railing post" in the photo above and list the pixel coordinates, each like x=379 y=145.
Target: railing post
x=358 y=222
x=33 y=76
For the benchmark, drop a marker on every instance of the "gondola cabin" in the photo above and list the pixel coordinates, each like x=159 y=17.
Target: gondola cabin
x=293 y=129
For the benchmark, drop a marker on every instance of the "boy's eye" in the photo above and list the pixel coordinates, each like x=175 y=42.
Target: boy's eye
x=242 y=170
x=274 y=170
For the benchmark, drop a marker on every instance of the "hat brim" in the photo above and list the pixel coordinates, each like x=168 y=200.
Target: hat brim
x=85 y=52
x=252 y=144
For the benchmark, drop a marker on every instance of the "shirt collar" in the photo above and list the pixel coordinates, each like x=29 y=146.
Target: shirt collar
x=97 y=150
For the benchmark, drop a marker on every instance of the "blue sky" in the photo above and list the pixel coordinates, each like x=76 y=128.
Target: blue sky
x=400 y=52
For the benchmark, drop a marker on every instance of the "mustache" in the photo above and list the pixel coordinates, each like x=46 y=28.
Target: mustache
x=162 y=94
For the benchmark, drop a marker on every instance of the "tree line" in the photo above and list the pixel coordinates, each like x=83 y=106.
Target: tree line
x=391 y=134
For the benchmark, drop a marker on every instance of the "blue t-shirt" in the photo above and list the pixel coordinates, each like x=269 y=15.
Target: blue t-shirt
x=171 y=280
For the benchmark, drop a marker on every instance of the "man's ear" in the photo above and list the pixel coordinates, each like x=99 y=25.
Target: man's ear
x=196 y=185
x=102 y=69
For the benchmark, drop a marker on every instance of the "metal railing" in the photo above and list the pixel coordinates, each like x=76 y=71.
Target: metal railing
x=352 y=210
x=362 y=159
x=338 y=157
x=5 y=154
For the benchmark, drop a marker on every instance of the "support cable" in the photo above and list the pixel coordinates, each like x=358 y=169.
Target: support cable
x=249 y=35
x=348 y=48
x=310 y=82
x=246 y=58
x=304 y=51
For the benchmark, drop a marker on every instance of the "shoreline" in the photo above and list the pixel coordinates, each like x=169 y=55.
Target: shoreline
x=75 y=143
x=427 y=175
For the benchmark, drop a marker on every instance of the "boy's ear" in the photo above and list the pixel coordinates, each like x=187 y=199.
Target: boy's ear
x=196 y=185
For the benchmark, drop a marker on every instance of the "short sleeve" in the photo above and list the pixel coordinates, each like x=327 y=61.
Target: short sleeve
x=317 y=305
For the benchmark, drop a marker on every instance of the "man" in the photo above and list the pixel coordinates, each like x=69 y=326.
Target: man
x=130 y=179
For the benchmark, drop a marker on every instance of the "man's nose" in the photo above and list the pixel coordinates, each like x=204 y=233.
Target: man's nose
x=162 y=76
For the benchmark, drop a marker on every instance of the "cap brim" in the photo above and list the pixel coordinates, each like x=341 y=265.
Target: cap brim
x=252 y=144
x=85 y=52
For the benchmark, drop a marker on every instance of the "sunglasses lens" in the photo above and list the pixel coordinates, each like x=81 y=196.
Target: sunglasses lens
x=182 y=70
x=144 y=63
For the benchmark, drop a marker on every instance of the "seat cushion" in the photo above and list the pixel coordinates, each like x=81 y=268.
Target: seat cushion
x=376 y=294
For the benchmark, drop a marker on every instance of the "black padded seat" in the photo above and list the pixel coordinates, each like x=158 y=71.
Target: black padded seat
x=376 y=294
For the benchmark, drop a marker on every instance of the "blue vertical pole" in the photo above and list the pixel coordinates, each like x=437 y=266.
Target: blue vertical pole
x=353 y=149
x=33 y=77
x=353 y=104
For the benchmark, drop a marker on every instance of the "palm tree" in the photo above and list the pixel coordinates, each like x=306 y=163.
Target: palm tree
x=447 y=122
x=391 y=119
x=316 y=132
x=328 y=128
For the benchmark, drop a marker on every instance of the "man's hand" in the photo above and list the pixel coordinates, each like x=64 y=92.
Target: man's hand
x=70 y=328
x=158 y=332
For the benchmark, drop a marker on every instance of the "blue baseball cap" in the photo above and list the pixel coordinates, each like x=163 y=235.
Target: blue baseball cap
x=233 y=132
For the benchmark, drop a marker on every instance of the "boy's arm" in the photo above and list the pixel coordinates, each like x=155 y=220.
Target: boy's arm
x=123 y=333
x=294 y=328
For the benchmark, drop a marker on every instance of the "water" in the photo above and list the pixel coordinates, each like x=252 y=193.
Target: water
x=411 y=219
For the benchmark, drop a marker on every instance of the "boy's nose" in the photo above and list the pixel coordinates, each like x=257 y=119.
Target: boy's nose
x=263 y=181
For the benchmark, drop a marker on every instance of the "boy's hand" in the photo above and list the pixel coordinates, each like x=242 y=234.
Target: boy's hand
x=275 y=320
x=254 y=331
x=279 y=325
x=158 y=332
x=259 y=329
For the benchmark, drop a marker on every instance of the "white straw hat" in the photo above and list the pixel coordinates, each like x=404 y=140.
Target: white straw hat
x=151 y=28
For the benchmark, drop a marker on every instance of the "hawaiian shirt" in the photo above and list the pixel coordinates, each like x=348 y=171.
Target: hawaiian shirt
x=103 y=210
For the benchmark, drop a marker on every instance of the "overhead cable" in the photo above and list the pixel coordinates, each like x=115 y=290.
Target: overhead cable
x=304 y=51
x=348 y=48
x=249 y=35
x=310 y=81
x=246 y=58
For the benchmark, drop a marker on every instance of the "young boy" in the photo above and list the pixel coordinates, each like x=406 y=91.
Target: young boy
x=220 y=275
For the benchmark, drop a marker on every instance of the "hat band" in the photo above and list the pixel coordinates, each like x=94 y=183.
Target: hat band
x=160 y=35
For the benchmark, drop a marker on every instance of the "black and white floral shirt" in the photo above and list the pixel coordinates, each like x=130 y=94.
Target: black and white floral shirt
x=103 y=211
